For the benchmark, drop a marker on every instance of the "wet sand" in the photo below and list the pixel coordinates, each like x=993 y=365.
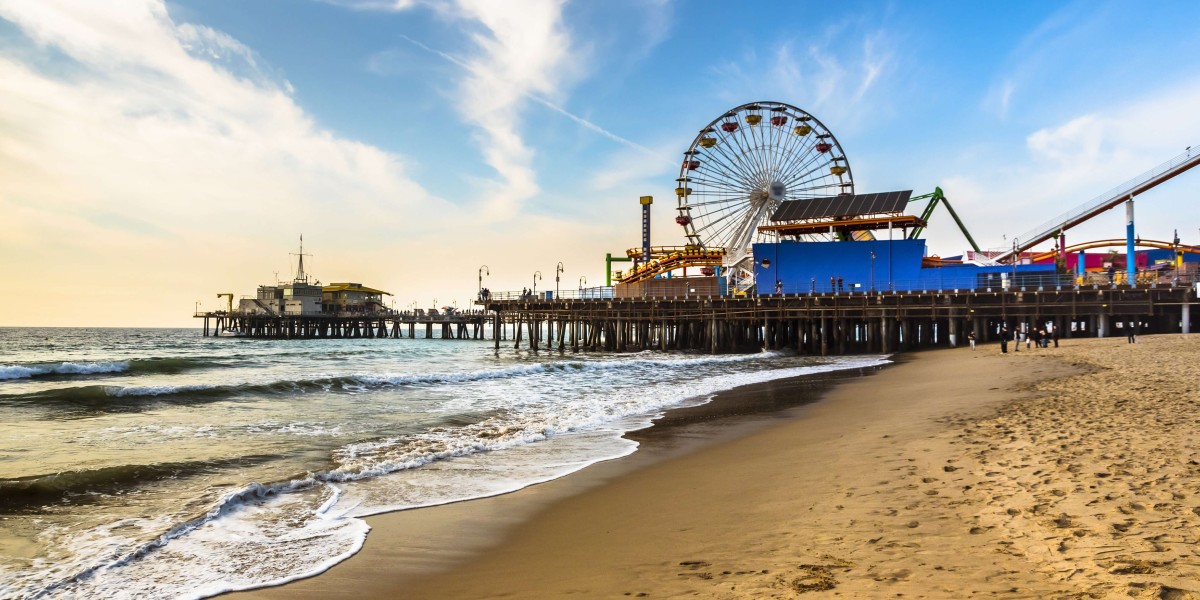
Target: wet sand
x=1049 y=473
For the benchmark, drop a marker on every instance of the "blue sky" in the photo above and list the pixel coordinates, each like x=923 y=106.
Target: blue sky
x=155 y=154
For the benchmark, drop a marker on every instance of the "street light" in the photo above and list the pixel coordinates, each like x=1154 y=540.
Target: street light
x=536 y=276
x=557 y=272
x=1016 y=258
x=481 y=270
x=582 y=281
x=872 y=271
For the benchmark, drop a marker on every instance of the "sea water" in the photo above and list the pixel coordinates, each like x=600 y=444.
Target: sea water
x=158 y=463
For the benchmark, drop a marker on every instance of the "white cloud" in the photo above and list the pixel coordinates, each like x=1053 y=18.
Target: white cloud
x=1075 y=142
x=523 y=52
x=835 y=74
x=152 y=159
x=148 y=164
x=1066 y=165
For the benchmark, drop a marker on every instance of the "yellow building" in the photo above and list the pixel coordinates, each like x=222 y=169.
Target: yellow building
x=352 y=299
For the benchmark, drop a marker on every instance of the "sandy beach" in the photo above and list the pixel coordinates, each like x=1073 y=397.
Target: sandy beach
x=1066 y=472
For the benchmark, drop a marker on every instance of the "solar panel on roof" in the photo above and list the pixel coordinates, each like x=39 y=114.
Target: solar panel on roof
x=842 y=206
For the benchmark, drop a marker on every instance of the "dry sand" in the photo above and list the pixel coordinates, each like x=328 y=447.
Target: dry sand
x=1049 y=473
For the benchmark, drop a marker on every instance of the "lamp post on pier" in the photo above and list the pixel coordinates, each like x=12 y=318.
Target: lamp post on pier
x=1016 y=259
x=481 y=271
x=872 y=271
x=557 y=273
x=536 y=276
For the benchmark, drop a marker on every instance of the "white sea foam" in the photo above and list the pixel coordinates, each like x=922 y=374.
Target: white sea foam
x=257 y=536
x=66 y=368
x=364 y=381
x=530 y=431
x=154 y=390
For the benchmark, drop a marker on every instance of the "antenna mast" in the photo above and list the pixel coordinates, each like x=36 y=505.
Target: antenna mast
x=300 y=276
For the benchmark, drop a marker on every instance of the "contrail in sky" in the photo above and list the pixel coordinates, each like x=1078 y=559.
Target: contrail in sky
x=544 y=102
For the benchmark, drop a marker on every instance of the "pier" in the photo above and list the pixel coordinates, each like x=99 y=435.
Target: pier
x=833 y=322
x=457 y=326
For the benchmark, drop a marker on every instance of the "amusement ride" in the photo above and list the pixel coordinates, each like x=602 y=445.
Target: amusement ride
x=765 y=171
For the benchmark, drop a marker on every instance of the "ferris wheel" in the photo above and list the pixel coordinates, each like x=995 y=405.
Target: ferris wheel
x=744 y=164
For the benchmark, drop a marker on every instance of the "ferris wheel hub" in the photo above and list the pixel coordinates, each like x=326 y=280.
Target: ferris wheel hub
x=777 y=191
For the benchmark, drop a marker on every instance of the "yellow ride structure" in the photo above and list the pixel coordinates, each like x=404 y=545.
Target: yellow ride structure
x=664 y=259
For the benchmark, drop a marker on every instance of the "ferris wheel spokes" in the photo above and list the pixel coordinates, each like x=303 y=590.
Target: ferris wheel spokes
x=744 y=164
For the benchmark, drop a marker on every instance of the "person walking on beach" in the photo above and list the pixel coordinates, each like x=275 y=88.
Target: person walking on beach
x=971 y=339
x=1054 y=336
x=1131 y=332
x=1003 y=339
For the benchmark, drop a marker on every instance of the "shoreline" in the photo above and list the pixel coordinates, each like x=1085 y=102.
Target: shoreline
x=446 y=537
x=1048 y=473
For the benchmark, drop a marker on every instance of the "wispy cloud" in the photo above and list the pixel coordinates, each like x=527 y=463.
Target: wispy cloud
x=1038 y=54
x=538 y=99
x=836 y=72
x=151 y=147
x=1069 y=163
x=518 y=53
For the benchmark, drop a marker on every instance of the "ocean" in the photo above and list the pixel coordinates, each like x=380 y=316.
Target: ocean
x=158 y=463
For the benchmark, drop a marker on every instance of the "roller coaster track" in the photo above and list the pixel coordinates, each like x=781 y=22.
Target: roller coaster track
x=1108 y=200
x=669 y=258
x=1118 y=242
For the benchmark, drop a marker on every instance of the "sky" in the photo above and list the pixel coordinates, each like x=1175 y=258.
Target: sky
x=154 y=154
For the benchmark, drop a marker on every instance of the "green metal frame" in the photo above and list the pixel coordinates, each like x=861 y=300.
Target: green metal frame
x=934 y=199
x=608 y=261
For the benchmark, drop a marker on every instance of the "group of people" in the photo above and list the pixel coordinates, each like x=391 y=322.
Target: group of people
x=1041 y=337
